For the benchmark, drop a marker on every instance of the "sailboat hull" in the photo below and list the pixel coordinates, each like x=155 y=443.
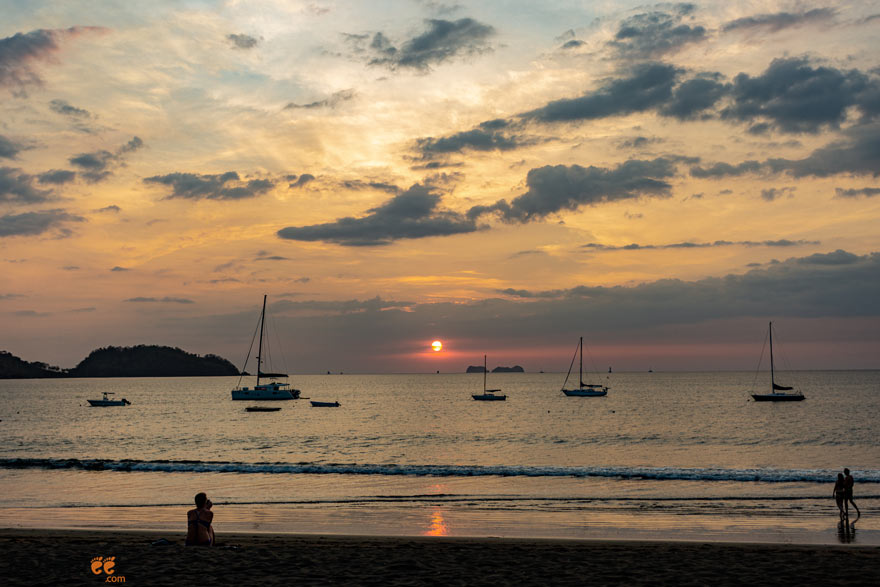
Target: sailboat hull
x=489 y=397
x=585 y=392
x=271 y=392
x=777 y=397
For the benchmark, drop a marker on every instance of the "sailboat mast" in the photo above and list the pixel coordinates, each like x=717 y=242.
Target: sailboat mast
x=260 y=349
x=484 y=373
x=581 y=370
x=772 y=377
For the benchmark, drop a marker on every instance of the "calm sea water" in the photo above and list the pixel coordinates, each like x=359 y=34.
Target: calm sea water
x=686 y=454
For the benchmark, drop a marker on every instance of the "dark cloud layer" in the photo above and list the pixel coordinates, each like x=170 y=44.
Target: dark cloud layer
x=411 y=214
x=652 y=34
x=831 y=284
x=165 y=300
x=858 y=153
x=225 y=186
x=36 y=223
x=18 y=187
x=692 y=245
x=556 y=188
x=442 y=41
x=780 y=20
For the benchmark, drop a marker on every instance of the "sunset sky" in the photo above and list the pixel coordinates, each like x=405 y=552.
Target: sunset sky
x=662 y=179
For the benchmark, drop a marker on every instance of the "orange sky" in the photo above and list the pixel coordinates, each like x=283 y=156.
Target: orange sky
x=661 y=179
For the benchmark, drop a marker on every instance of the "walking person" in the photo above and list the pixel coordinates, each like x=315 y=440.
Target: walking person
x=848 y=483
x=839 y=494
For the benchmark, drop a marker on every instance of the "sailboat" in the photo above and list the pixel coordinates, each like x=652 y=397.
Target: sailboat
x=273 y=390
x=488 y=395
x=777 y=392
x=584 y=389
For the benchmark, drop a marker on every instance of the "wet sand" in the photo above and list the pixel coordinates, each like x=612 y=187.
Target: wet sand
x=60 y=557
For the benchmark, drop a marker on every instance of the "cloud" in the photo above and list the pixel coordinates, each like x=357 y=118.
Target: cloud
x=652 y=34
x=562 y=187
x=858 y=153
x=242 y=41
x=19 y=52
x=648 y=86
x=855 y=193
x=692 y=245
x=36 y=223
x=771 y=194
x=165 y=300
x=112 y=208
x=225 y=186
x=339 y=308
x=442 y=41
x=300 y=181
x=18 y=187
x=832 y=284
x=9 y=149
x=357 y=184
x=793 y=96
x=780 y=20
x=64 y=108
x=694 y=97
x=96 y=166
x=118 y=269
x=409 y=215
x=56 y=176
x=332 y=102
x=489 y=136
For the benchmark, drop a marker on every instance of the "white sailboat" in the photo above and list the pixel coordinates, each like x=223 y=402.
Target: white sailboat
x=583 y=389
x=488 y=395
x=273 y=390
x=777 y=392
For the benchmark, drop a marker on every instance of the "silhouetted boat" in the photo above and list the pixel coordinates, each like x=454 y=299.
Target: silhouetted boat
x=777 y=392
x=261 y=409
x=488 y=395
x=583 y=389
x=316 y=404
x=106 y=402
x=273 y=390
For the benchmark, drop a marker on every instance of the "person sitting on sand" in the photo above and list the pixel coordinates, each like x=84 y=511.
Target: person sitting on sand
x=839 y=493
x=198 y=523
x=848 y=483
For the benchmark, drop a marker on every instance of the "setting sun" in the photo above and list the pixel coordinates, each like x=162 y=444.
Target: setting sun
x=436 y=345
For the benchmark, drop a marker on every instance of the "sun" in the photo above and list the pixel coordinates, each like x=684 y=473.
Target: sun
x=436 y=345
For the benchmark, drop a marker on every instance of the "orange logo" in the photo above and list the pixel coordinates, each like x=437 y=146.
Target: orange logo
x=107 y=566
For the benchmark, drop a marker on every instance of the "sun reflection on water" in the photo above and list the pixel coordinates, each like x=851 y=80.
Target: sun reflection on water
x=438 y=525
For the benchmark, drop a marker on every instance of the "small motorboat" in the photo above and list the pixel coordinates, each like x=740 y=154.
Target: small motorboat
x=325 y=404
x=105 y=401
x=261 y=409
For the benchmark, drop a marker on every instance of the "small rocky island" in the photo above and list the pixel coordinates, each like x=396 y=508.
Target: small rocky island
x=480 y=369
x=136 y=361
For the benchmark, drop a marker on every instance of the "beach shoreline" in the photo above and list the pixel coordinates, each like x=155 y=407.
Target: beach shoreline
x=66 y=557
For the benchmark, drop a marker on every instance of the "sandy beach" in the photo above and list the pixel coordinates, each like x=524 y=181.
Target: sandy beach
x=61 y=557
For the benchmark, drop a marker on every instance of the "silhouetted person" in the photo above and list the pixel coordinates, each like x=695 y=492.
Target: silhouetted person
x=848 y=483
x=839 y=493
x=198 y=523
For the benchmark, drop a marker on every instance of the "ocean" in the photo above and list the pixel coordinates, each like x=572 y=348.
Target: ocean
x=665 y=455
